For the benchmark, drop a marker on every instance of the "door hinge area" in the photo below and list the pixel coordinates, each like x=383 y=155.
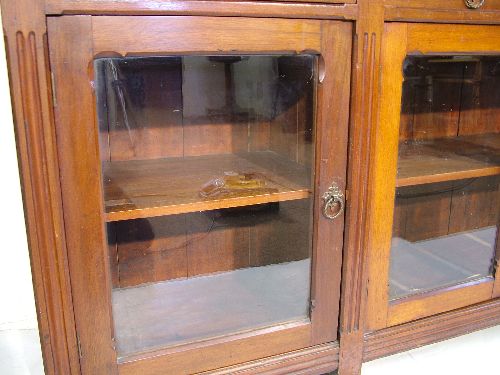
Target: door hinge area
x=312 y=305
x=80 y=353
x=53 y=85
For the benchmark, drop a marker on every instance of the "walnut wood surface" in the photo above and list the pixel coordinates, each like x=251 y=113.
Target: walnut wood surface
x=172 y=247
x=221 y=353
x=442 y=300
x=384 y=174
x=146 y=188
x=452 y=11
x=363 y=116
x=24 y=25
x=448 y=159
x=27 y=52
x=317 y=360
x=445 y=16
x=442 y=5
x=183 y=34
x=402 y=39
x=226 y=34
x=321 y=10
x=432 y=329
x=427 y=38
x=70 y=55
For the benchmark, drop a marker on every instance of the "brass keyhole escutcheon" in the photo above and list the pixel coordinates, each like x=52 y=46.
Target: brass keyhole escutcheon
x=333 y=202
x=474 y=4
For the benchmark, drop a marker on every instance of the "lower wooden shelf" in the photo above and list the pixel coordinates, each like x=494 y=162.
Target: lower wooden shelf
x=146 y=188
x=174 y=312
x=448 y=159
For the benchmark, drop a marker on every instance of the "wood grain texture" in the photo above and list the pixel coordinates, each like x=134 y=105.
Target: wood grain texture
x=331 y=39
x=452 y=11
x=419 y=306
x=148 y=188
x=364 y=97
x=51 y=282
x=475 y=205
x=347 y=11
x=448 y=5
x=220 y=353
x=448 y=159
x=177 y=246
x=432 y=329
x=27 y=52
x=317 y=360
x=421 y=213
x=70 y=56
x=331 y=165
x=397 y=14
x=427 y=38
x=432 y=39
x=182 y=34
x=384 y=165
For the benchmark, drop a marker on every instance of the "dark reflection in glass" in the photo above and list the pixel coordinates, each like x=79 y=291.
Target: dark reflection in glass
x=207 y=166
x=448 y=186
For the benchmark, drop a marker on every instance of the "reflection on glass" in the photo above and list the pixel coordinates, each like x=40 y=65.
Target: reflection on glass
x=207 y=166
x=448 y=184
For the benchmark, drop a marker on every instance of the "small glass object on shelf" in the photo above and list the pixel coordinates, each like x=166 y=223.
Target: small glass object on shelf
x=447 y=208
x=235 y=184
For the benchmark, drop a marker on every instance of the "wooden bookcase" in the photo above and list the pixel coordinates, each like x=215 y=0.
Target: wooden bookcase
x=402 y=115
x=251 y=272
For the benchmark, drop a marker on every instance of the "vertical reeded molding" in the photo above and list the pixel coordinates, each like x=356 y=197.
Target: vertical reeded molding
x=29 y=76
x=363 y=115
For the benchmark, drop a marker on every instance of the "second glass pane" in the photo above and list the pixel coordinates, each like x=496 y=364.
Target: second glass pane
x=448 y=185
x=208 y=187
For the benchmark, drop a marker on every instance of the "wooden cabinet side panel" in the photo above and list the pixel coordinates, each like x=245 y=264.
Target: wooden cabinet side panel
x=70 y=56
x=27 y=54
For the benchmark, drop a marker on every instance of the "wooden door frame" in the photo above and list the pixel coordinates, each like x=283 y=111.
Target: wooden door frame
x=400 y=40
x=74 y=41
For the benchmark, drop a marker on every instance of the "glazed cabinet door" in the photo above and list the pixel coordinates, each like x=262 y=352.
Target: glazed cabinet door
x=203 y=170
x=436 y=197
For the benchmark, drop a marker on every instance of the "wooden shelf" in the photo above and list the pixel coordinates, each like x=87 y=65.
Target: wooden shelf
x=147 y=188
x=448 y=159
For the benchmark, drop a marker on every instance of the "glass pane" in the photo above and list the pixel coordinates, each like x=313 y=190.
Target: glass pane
x=448 y=185
x=208 y=183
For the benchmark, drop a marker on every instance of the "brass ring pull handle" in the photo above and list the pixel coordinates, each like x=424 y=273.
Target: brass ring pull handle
x=334 y=202
x=474 y=4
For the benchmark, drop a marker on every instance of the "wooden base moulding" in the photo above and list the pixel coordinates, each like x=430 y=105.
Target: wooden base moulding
x=426 y=331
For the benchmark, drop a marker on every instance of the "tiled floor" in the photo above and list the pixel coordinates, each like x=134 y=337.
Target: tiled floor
x=20 y=352
x=476 y=354
x=473 y=354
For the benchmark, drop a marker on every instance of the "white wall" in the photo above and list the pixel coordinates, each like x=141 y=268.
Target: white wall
x=17 y=305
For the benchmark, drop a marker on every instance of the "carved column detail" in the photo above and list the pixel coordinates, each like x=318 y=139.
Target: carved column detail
x=25 y=35
x=363 y=116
